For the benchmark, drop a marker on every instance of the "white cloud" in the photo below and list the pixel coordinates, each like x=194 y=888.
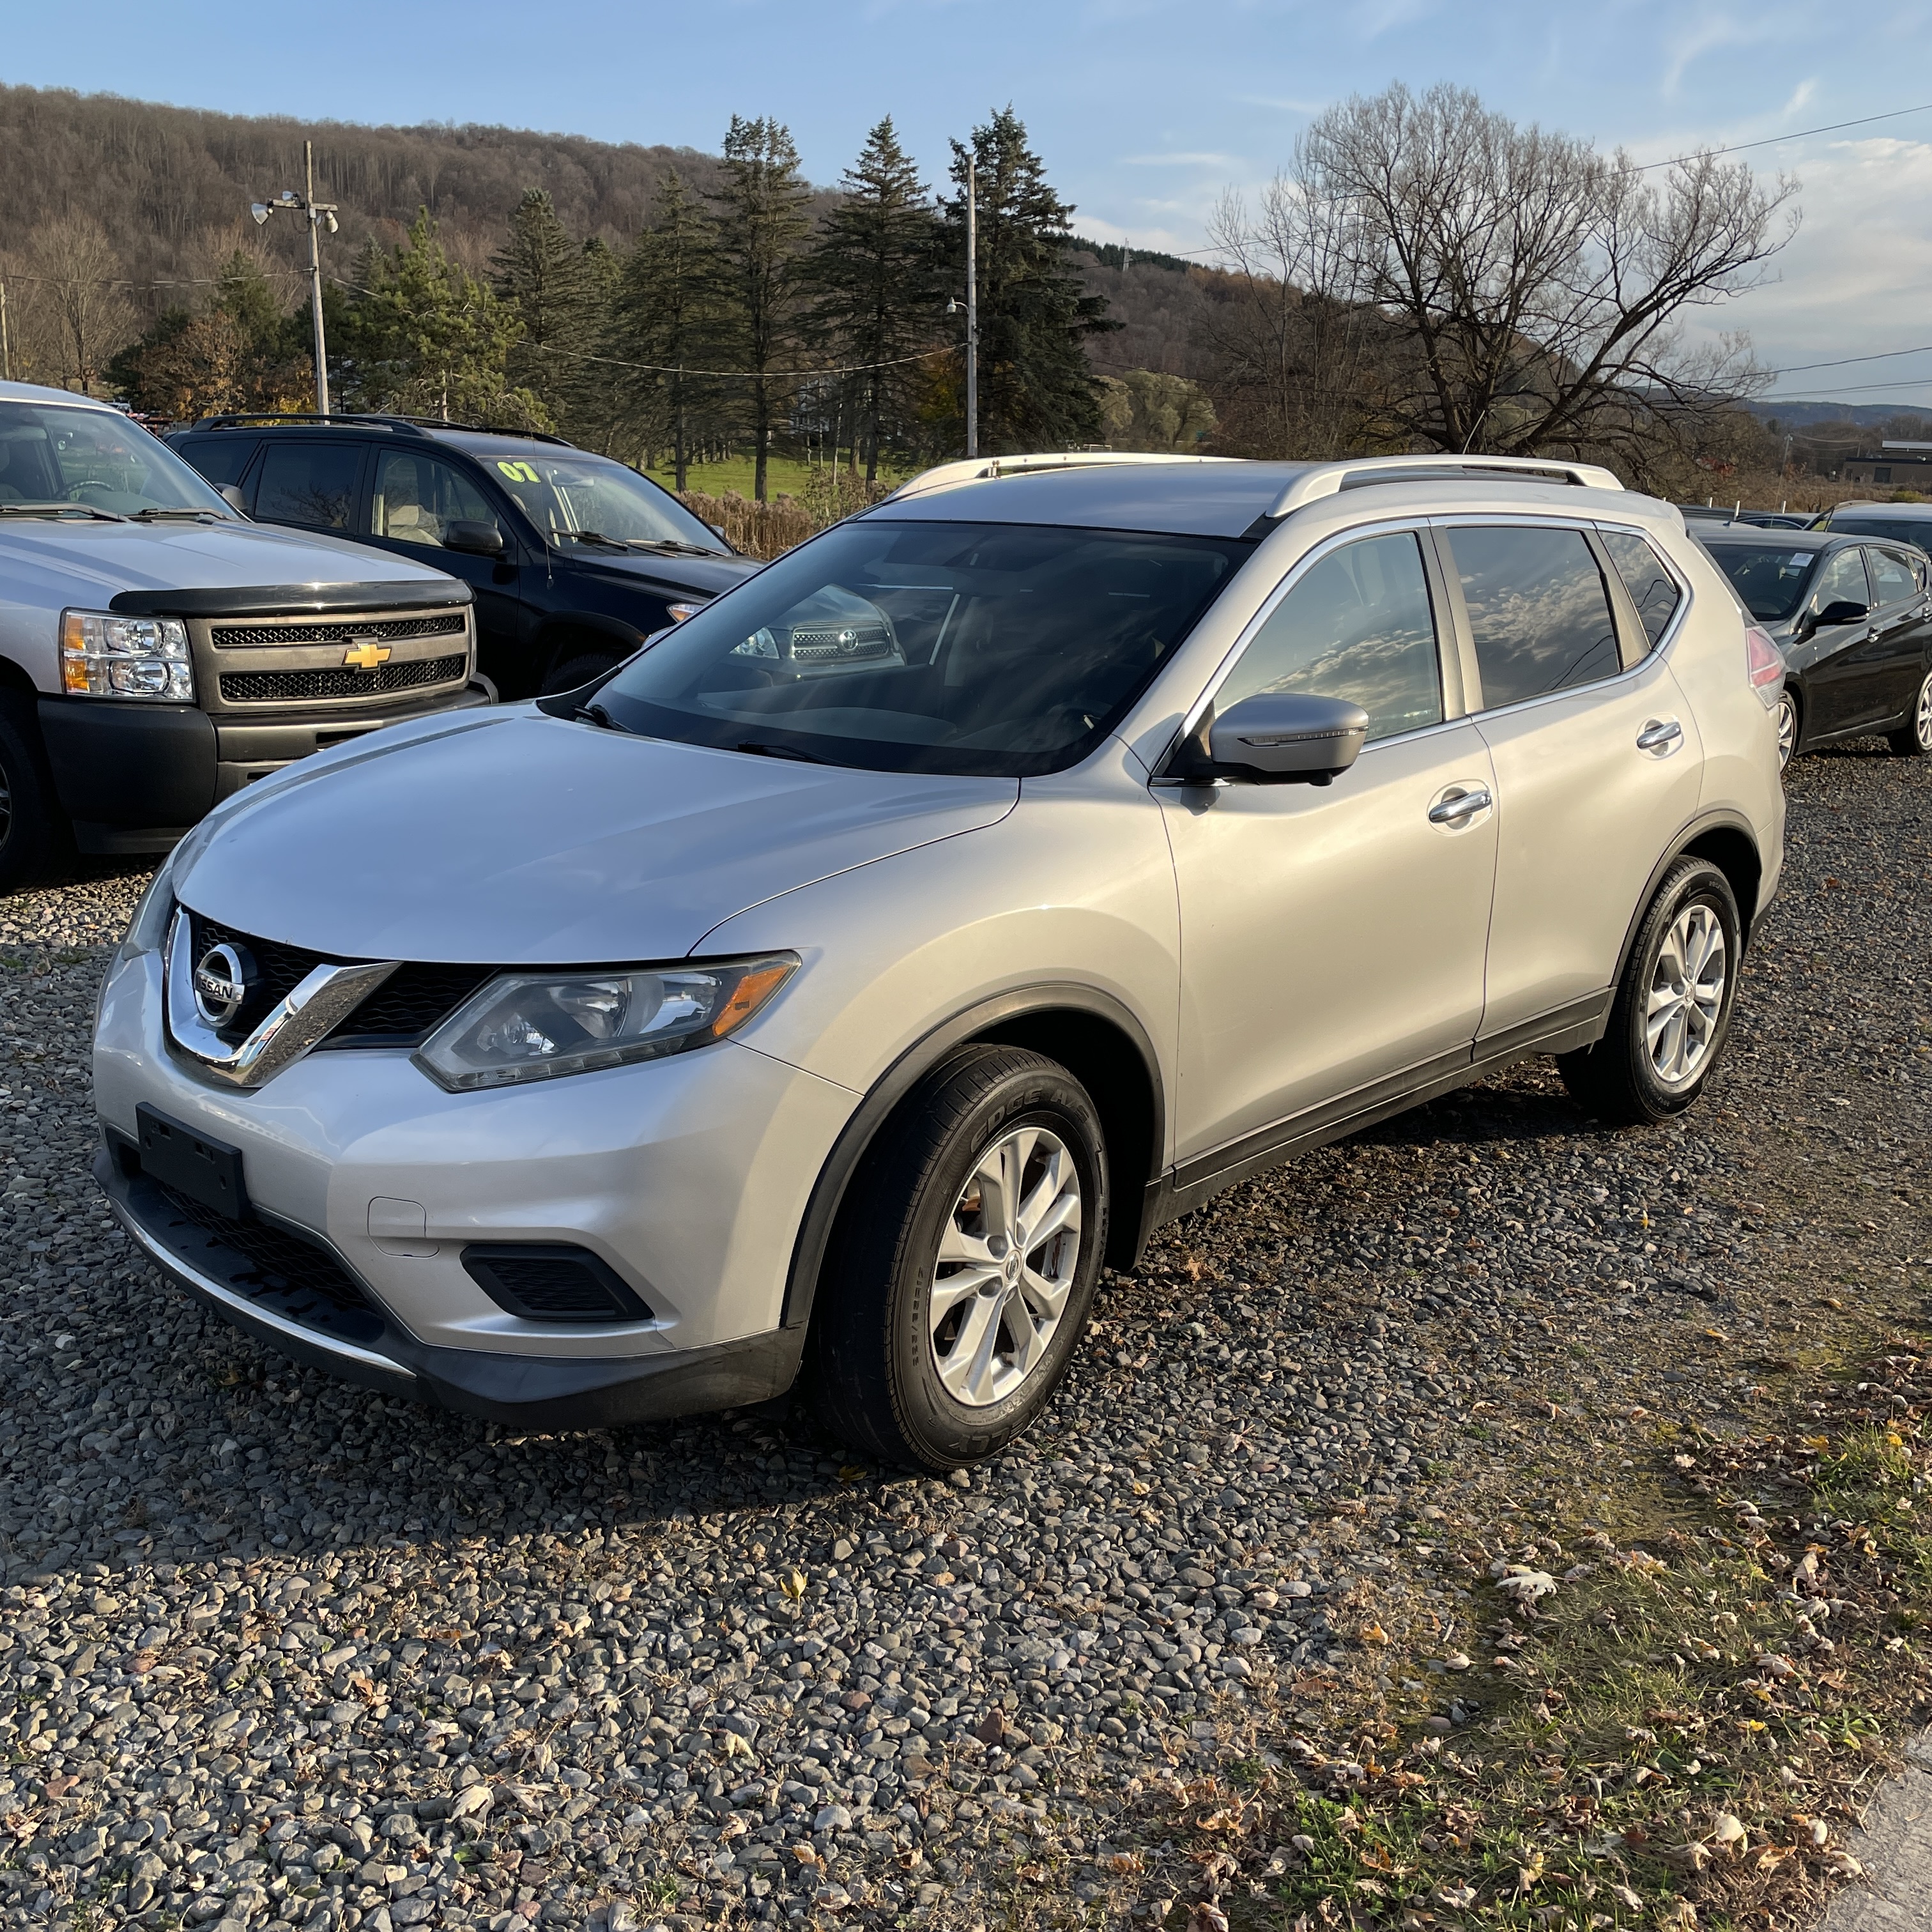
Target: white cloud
x=1179 y=161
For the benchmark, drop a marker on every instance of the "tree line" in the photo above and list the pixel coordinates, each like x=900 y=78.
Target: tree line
x=741 y=313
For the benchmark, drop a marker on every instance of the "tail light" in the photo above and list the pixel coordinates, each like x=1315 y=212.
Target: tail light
x=1764 y=664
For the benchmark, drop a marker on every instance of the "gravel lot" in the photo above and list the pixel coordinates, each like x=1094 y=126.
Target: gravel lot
x=282 y=1651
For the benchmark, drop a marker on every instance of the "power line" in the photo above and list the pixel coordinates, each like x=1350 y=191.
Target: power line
x=1845 y=361
x=1797 y=134
x=768 y=375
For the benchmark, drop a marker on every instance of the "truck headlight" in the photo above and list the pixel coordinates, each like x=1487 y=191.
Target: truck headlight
x=103 y=656
x=539 y=1026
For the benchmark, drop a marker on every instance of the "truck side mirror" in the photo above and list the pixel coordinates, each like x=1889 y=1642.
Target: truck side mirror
x=231 y=495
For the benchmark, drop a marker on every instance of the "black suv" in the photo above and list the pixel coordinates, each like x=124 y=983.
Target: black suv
x=574 y=560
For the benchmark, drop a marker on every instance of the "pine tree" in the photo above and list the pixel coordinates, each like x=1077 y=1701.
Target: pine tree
x=423 y=335
x=665 y=315
x=1035 y=389
x=762 y=228
x=539 y=275
x=876 y=295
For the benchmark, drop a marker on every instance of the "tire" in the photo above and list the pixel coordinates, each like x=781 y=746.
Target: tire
x=906 y=1373
x=30 y=821
x=568 y=674
x=1914 y=739
x=1790 y=721
x=1628 y=1079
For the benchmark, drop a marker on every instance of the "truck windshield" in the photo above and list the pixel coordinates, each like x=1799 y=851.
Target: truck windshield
x=995 y=650
x=52 y=453
x=571 y=496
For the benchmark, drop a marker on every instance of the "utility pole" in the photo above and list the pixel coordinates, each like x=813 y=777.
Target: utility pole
x=972 y=314
x=6 y=347
x=317 y=212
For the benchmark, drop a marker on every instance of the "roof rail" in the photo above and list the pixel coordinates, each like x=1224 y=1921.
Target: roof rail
x=986 y=469
x=369 y=419
x=1326 y=479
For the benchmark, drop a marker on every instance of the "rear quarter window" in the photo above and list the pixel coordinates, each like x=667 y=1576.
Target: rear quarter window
x=1652 y=589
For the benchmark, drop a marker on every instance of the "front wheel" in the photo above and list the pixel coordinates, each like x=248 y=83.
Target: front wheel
x=1672 y=1012
x=971 y=1244
x=30 y=822
x=1914 y=740
x=572 y=673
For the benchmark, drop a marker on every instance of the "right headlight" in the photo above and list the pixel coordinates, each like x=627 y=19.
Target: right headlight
x=541 y=1026
x=103 y=656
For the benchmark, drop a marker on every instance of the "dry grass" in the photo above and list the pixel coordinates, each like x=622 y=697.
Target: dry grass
x=768 y=529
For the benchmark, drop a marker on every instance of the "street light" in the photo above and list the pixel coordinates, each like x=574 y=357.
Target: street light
x=287 y=203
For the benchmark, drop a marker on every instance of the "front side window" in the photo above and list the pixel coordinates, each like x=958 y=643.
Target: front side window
x=309 y=483
x=417 y=498
x=1842 y=581
x=573 y=498
x=1539 y=611
x=1769 y=577
x=1892 y=582
x=1652 y=589
x=984 y=650
x=57 y=454
x=1359 y=625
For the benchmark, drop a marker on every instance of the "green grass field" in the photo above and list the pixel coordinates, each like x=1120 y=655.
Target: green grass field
x=784 y=474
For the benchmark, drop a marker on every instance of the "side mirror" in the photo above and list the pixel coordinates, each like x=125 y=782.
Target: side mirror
x=717 y=530
x=1286 y=738
x=1842 y=611
x=231 y=495
x=478 y=539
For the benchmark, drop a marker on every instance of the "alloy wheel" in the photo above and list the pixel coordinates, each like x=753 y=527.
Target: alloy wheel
x=1008 y=1257
x=1686 y=995
x=1922 y=718
x=1786 y=715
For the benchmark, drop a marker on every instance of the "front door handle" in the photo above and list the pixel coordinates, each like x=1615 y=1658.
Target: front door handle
x=1661 y=735
x=1461 y=807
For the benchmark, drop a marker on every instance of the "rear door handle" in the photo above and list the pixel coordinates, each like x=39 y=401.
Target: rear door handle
x=1661 y=735
x=1464 y=805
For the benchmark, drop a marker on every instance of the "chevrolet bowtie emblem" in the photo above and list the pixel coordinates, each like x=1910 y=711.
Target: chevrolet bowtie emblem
x=366 y=656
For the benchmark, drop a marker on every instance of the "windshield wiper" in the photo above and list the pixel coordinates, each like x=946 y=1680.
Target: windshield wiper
x=673 y=546
x=155 y=511
x=596 y=537
x=61 y=509
x=765 y=749
x=594 y=713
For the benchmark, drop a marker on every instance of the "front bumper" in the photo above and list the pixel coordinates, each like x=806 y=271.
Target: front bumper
x=689 y=1177
x=133 y=777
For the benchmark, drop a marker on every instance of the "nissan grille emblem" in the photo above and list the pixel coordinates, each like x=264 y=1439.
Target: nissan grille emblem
x=222 y=978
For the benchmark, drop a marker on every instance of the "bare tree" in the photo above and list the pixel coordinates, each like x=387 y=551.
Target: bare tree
x=80 y=290
x=1509 y=290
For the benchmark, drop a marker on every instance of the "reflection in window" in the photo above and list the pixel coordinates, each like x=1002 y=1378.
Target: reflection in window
x=1539 y=611
x=1892 y=583
x=1358 y=626
x=309 y=483
x=1842 y=581
x=418 y=498
x=1652 y=589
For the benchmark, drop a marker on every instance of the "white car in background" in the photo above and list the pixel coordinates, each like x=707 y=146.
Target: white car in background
x=833 y=989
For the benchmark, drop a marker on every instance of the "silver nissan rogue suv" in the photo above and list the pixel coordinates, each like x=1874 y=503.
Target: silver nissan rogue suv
x=831 y=990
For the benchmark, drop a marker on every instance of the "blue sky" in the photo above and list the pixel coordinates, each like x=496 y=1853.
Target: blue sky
x=1145 y=110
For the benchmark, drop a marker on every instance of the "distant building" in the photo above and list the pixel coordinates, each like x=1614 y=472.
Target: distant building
x=1904 y=465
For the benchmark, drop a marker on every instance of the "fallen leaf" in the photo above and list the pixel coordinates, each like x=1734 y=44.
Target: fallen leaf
x=1527 y=1586
x=1375 y=1633
x=794 y=1586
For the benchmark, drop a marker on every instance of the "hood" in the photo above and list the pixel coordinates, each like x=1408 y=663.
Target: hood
x=521 y=839
x=709 y=576
x=90 y=562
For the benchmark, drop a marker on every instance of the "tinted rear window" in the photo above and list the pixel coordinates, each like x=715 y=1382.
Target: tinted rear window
x=221 y=459
x=309 y=483
x=1652 y=589
x=1539 y=611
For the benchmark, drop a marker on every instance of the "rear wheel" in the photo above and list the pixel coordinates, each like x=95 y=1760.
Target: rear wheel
x=30 y=824
x=1785 y=715
x=1672 y=1011
x=972 y=1244
x=1914 y=739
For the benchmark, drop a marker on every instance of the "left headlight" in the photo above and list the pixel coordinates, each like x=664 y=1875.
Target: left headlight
x=103 y=656
x=540 y=1026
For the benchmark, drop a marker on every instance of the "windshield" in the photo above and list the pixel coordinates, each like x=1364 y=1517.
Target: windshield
x=1770 y=577
x=985 y=649
x=50 y=453
x=569 y=494
x=1893 y=529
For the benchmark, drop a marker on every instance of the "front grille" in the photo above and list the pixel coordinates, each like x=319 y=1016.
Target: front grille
x=338 y=631
x=288 y=687
x=847 y=644
x=283 y=1272
x=543 y=1283
x=407 y=1004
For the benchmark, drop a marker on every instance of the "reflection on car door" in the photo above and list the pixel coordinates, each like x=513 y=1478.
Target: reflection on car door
x=1887 y=666
x=1333 y=936
x=416 y=497
x=1597 y=767
x=1832 y=667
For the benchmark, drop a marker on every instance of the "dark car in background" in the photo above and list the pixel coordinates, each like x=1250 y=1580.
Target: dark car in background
x=574 y=559
x=1853 y=618
x=1899 y=523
